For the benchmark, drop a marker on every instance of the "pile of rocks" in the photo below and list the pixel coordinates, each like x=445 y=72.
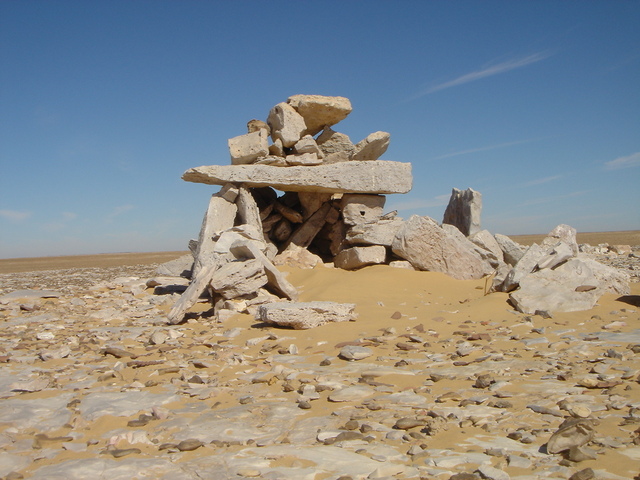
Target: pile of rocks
x=332 y=210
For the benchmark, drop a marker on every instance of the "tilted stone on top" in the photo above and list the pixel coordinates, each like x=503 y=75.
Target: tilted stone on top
x=319 y=111
x=286 y=124
x=378 y=176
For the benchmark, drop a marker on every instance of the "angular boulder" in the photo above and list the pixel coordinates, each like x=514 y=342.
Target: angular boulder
x=379 y=176
x=358 y=257
x=380 y=232
x=286 y=124
x=570 y=287
x=511 y=250
x=320 y=111
x=360 y=208
x=428 y=247
x=249 y=147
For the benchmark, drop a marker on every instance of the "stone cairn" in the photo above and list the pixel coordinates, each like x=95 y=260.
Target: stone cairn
x=332 y=211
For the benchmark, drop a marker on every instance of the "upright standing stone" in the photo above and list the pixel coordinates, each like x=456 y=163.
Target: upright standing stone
x=286 y=124
x=463 y=211
x=248 y=211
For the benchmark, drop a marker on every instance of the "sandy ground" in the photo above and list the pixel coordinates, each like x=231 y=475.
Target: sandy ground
x=392 y=305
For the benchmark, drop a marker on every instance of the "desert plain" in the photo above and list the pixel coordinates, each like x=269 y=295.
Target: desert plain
x=435 y=379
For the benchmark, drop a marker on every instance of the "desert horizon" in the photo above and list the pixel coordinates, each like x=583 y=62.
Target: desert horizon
x=97 y=260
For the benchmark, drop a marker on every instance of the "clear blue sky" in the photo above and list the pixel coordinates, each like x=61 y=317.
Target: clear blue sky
x=104 y=104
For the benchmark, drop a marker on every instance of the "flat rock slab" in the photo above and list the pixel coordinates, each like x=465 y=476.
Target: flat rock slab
x=372 y=176
x=301 y=316
x=28 y=295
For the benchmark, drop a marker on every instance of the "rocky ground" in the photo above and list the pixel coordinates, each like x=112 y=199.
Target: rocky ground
x=433 y=380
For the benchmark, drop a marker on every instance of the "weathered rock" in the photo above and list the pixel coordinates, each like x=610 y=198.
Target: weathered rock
x=238 y=278
x=380 y=232
x=180 y=267
x=300 y=316
x=379 y=176
x=355 y=352
x=192 y=293
x=428 y=247
x=220 y=216
x=276 y=280
x=571 y=433
x=561 y=233
x=486 y=255
x=524 y=267
x=486 y=241
x=311 y=202
x=286 y=124
x=298 y=257
x=303 y=159
x=512 y=251
x=568 y=288
x=305 y=233
x=361 y=208
x=307 y=144
x=334 y=143
x=463 y=211
x=249 y=147
x=320 y=111
x=257 y=125
x=248 y=212
x=372 y=147
x=611 y=280
x=358 y=257
x=558 y=254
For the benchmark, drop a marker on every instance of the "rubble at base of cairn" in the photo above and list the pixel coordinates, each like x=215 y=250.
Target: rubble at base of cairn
x=312 y=197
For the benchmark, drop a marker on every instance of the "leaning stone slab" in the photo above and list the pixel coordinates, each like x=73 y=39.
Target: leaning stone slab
x=379 y=176
x=301 y=316
x=512 y=251
x=372 y=147
x=275 y=278
x=524 y=267
x=319 y=111
x=358 y=257
x=238 y=278
x=192 y=293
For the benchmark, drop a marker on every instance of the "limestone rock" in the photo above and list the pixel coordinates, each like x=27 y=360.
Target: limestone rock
x=307 y=144
x=358 y=257
x=276 y=280
x=257 y=125
x=248 y=212
x=572 y=433
x=306 y=159
x=562 y=233
x=524 y=267
x=332 y=143
x=300 y=316
x=220 y=216
x=558 y=254
x=463 y=210
x=238 y=278
x=180 y=267
x=611 y=280
x=249 y=147
x=570 y=287
x=485 y=240
x=361 y=208
x=428 y=247
x=320 y=111
x=298 y=257
x=380 y=232
x=372 y=147
x=286 y=124
x=377 y=176
x=512 y=251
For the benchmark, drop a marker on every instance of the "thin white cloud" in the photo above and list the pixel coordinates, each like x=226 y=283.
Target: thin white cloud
x=629 y=161
x=437 y=201
x=540 y=181
x=487 y=71
x=482 y=149
x=14 y=215
x=119 y=211
x=540 y=201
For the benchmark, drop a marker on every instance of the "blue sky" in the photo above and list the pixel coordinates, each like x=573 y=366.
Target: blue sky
x=104 y=105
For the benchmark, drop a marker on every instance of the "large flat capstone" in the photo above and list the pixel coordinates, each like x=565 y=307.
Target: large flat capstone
x=366 y=176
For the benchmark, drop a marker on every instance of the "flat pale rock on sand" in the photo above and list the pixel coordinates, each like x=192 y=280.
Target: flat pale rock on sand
x=485 y=387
